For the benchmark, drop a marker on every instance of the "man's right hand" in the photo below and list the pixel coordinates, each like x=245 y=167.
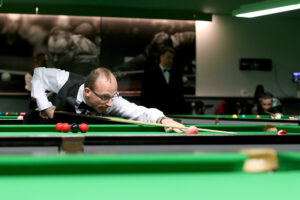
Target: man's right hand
x=48 y=113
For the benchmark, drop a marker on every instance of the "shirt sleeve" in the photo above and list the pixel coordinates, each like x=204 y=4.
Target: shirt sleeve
x=47 y=79
x=123 y=108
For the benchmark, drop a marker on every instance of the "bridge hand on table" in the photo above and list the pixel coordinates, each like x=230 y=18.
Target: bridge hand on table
x=47 y=113
x=169 y=121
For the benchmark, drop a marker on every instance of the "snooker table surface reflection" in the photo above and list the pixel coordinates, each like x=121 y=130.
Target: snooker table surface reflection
x=146 y=176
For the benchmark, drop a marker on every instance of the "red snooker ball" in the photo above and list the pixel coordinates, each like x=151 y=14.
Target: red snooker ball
x=66 y=127
x=281 y=132
x=58 y=127
x=22 y=113
x=192 y=130
x=83 y=127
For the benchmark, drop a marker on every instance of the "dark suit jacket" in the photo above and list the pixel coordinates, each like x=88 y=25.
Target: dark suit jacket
x=156 y=93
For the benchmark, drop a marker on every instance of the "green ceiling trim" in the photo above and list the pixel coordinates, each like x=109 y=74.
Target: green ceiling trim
x=98 y=8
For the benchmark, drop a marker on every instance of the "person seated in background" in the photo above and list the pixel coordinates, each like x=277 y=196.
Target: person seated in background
x=268 y=105
x=96 y=95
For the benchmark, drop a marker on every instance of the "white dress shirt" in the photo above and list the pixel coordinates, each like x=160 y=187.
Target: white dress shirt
x=51 y=79
x=166 y=73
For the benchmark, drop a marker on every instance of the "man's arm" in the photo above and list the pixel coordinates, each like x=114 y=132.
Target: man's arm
x=47 y=79
x=123 y=108
x=170 y=121
x=276 y=110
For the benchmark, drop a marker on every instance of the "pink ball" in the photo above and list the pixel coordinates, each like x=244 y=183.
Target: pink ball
x=192 y=130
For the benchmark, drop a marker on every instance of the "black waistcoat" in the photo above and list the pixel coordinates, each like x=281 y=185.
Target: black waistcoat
x=65 y=99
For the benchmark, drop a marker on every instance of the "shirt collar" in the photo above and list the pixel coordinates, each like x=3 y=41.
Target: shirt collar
x=79 y=97
x=163 y=69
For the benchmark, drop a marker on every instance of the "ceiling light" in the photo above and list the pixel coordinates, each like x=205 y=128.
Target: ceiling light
x=266 y=8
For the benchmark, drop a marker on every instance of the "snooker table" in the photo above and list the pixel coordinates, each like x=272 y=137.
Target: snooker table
x=146 y=176
x=136 y=138
x=10 y=119
x=241 y=119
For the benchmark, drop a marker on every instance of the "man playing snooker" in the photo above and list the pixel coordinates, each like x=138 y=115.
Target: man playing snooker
x=98 y=91
x=269 y=105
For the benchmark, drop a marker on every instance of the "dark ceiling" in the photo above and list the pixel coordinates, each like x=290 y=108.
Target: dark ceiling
x=221 y=7
x=176 y=9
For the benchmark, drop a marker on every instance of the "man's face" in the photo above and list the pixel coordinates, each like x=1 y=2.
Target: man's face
x=101 y=97
x=266 y=104
x=166 y=60
x=58 y=49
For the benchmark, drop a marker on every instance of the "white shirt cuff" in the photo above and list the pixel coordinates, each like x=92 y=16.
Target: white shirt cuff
x=43 y=104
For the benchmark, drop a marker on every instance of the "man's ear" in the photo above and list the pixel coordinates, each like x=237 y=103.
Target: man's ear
x=87 y=91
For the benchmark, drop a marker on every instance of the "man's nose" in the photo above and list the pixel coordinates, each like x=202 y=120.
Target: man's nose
x=109 y=103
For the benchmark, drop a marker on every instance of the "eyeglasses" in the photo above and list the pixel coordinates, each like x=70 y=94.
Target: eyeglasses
x=105 y=97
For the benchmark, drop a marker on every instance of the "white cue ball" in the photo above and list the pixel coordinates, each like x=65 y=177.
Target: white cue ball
x=278 y=116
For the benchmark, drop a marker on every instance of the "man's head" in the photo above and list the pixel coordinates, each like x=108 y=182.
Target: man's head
x=60 y=46
x=266 y=101
x=100 y=87
x=159 y=41
x=166 y=57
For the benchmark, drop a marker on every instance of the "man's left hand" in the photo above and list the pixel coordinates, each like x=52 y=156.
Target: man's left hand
x=170 y=121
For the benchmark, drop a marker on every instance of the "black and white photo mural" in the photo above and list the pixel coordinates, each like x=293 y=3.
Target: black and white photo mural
x=127 y=46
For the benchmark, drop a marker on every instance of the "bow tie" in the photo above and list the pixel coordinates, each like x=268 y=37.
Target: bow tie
x=86 y=109
x=166 y=70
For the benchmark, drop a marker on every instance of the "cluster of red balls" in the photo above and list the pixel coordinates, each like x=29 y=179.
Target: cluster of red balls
x=65 y=127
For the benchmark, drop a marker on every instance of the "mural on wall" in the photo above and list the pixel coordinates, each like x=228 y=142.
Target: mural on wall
x=133 y=45
x=28 y=41
x=80 y=44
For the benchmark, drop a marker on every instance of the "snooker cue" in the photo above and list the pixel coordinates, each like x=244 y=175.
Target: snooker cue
x=137 y=122
x=269 y=113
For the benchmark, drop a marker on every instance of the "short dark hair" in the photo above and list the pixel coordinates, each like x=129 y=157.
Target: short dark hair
x=159 y=41
x=40 y=60
x=167 y=49
x=95 y=74
x=266 y=95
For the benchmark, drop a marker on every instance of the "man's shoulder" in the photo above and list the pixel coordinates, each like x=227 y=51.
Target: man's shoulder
x=276 y=102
